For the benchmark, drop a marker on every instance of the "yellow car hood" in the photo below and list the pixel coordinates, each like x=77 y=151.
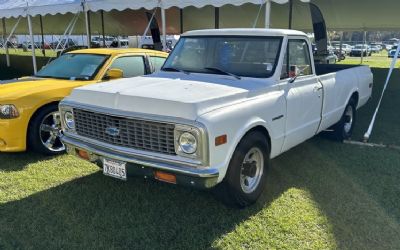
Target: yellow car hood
x=18 y=88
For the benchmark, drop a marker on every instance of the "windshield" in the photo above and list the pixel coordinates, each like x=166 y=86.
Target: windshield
x=73 y=67
x=228 y=55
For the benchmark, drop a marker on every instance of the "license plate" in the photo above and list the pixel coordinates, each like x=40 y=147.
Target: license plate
x=114 y=169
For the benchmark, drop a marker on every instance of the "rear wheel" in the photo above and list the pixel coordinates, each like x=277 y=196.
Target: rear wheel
x=45 y=130
x=344 y=128
x=246 y=176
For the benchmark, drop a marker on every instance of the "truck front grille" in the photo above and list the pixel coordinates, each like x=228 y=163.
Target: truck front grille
x=126 y=132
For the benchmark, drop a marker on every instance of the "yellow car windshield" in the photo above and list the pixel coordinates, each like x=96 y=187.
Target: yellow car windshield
x=73 y=67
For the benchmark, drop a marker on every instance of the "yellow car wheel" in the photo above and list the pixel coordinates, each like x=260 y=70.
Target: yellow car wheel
x=45 y=130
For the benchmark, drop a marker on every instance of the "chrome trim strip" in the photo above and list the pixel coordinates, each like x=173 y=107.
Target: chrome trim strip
x=73 y=144
x=135 y=152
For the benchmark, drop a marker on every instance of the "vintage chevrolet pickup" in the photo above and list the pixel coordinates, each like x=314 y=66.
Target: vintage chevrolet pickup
x=225 y=103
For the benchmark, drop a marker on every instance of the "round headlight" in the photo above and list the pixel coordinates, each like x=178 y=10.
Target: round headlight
x=188 y=143
x=69 y=120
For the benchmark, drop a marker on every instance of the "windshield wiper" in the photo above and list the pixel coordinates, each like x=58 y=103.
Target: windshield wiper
x=175 y=70
x=223 y=72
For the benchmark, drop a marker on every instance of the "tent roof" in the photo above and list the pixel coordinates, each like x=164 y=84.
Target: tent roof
x=124 y=19
x=15 y=8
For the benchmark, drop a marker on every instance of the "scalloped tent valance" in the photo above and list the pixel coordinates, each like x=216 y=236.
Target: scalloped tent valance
x=16 y=8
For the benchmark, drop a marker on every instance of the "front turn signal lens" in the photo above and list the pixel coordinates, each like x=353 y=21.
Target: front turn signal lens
x=8 y=111
x=166 y=177
x=220 y=140
x=83 y=154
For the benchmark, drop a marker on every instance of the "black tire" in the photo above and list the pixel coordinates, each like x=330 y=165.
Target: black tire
x=35 y=133
x=230 y=191
x=342 y=130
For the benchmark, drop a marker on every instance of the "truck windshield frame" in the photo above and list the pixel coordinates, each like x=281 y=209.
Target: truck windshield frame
x=242 y=56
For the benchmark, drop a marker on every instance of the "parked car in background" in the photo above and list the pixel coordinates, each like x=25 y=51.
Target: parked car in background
x=225 y=102
x=122 y=43
x=97 y=41
x=374 y=49
x=327 y=58
x=64 y=43
x=29 y=115
x=392 y=52
x=346 y=48
x=360 y=49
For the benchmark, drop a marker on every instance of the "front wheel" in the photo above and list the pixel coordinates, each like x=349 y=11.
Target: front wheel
x=45 y=130
x=344 y=128
x=246 y=176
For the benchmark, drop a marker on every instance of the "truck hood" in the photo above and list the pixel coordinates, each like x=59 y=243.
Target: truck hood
x=169 y=94
x=19 y=88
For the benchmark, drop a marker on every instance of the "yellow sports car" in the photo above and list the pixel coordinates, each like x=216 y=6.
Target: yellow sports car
x=29 y=115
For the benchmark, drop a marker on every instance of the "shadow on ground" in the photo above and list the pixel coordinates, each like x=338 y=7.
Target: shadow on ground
x=18 y=161
x=358 y=193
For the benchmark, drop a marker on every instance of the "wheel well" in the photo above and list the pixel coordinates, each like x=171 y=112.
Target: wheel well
x=264 y=131
x=35 y=114
x=355 y=97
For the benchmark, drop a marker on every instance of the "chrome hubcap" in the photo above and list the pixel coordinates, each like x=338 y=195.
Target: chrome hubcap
x=348 y=116
x=50 y=131
x=252 y=170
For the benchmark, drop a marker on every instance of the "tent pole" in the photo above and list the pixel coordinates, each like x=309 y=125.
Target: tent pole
x=41 y=31
x=164 y=29
x=6 y=42
x=362 y=51
x=32 y=43
x=268 y=14
x=102 y=27
x=181 y=20
x=290 y=13
x=87 y=22
x=341 y=45
x=216 y=17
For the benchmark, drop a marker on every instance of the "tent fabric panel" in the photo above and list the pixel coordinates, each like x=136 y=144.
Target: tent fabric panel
x=15 y=8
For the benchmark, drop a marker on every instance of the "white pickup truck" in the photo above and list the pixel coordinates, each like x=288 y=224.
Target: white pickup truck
x=225 y=103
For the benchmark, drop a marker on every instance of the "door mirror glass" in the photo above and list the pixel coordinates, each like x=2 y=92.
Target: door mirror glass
x=113 y=74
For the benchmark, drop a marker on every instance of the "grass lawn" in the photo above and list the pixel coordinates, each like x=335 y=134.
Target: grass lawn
x=320 y=195
x=20 y=52
x=376 y=60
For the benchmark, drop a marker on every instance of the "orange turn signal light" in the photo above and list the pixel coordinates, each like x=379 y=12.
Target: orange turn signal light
x=222 y=139
x=83 y=154
x=166 y=177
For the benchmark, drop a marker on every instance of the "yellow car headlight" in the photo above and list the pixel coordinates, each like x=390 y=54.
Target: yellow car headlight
x=8 y=111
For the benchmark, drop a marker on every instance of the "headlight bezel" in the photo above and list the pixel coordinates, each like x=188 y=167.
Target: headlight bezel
x=69 y=121
x=13 y=112
x=64 y=110
x=197 y=134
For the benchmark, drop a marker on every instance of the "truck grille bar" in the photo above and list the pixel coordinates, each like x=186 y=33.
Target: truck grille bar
x=126 y=132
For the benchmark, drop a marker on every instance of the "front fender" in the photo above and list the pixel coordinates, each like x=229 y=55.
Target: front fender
x=236 y=120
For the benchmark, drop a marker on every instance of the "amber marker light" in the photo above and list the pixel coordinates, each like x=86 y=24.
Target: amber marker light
x=83 y=154
x=166 y=177
x=219 y=140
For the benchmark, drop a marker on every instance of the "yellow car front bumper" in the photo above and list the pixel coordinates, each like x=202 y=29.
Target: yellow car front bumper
x=12 y=135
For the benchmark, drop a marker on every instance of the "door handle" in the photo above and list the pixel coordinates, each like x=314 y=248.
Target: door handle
x=317 y=88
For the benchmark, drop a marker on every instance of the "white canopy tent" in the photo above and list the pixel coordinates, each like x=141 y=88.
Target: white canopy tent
x=31 y=8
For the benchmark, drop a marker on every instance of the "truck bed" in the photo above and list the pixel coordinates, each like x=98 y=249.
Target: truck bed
x=323 y=69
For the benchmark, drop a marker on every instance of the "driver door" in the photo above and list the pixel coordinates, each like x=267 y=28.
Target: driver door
x=304 y=94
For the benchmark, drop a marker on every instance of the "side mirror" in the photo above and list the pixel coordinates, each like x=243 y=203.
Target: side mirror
x=293 y=73
x=113 y=74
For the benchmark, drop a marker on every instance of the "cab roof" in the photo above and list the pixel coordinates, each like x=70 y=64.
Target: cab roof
x=245 y=32
x=117 y=51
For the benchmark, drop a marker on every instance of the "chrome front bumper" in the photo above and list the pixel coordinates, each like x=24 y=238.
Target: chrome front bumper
x=200 y=177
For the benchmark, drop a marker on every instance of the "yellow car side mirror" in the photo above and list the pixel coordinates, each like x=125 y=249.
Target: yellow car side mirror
x=113 y=74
